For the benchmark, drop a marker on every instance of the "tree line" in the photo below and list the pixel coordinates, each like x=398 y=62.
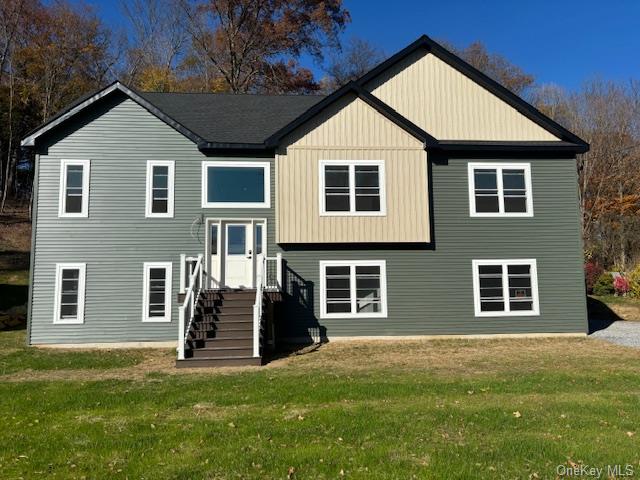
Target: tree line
x=51 y=53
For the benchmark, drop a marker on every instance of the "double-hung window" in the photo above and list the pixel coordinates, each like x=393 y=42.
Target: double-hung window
x=353 y=289
x=505 y=288
x=232 y=184
x=500 y=190
x=156 y=301
x=352 y=187
x=69 y=293
x=160 y=179
x=74 y=188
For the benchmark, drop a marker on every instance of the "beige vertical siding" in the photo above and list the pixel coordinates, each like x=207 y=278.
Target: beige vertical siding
x=449 y=105
x=352 y=130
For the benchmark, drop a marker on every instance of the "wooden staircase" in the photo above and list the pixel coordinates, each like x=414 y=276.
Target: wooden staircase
x=221 y=333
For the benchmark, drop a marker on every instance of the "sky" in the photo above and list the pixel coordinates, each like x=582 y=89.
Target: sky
x=558 y=41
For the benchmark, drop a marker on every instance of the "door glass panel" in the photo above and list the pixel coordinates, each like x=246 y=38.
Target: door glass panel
x=214 y=239
x=236 y=240
x=258 y=239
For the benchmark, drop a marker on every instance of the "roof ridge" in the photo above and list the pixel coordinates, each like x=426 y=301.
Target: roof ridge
x=229 y=94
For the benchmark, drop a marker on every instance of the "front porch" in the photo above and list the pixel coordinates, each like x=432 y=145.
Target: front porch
x=226 y=326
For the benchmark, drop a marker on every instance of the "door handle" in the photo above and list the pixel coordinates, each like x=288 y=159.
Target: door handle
x=249 y=255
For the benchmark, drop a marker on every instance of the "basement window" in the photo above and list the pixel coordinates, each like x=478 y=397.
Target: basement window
x=157 y=292
x=505 y=288
x=352 y=188
x=69 y=293
x=351 y=289
x=500 y=190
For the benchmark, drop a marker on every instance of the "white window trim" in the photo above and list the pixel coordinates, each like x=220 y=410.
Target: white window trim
x=220 y=163
x=82 y=267
x=352 y=188
x=170 y=187
x=353 y=263
x=86 y=175
x=145 y=294
x=505 y=288
x=499 y=167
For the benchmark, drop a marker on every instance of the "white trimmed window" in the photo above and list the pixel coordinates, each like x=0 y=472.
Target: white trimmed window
x=505 y=288
x=157 y=292
x=160 y=179
x=231 y=184
x=352 y=188
x=352 y=289
x=74 y=188
x=500 y=190
x=69 y=293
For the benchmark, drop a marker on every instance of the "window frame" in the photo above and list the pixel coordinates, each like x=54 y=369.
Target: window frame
x=382 y=264
x=82 y=276
x=499 y=167
x=266 y=166
x=147 y=266
x=148 y=213
x=322 y=164
x=535 y=299
x=62 y=200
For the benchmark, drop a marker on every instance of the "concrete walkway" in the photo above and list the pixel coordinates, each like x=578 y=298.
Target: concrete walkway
x=620 y=333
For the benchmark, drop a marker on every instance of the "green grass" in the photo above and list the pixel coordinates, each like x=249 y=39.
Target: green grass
x=16 y=357
x=373 y=410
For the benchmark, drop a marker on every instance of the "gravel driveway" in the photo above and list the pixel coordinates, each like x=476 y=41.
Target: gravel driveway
x=620 y=333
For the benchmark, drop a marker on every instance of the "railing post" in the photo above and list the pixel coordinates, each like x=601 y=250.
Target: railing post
x=180 y=332
x=201 y=259
x=279 y=270
x=183 y=266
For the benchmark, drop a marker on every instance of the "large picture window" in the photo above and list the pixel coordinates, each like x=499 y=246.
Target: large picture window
x=69 y=293
x=355 y=187
x=229 y=184
x=160 y=180
x=500 y=190
x=505 y=288
x=353 y=289
x=156 y=301
x=74 y=188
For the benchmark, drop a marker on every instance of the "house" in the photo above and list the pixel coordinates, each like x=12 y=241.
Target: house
x=422 y=199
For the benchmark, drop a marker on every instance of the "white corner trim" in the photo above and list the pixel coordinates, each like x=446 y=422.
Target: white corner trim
x=352 y=188
x=170 y=188
x=86 y=176
x=352 y=284
x=499 y=166
x=60 y=267
x=505 y=288
x=266 y=166
x=167 y=292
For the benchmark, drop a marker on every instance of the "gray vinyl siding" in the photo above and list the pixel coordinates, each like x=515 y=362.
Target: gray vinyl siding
x=116 y=239
x=430 y=291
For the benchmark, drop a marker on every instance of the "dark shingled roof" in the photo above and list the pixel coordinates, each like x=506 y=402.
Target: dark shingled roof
x=228 y=118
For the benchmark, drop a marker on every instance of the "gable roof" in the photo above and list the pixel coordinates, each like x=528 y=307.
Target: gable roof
x=223 y=122
x=529 y=111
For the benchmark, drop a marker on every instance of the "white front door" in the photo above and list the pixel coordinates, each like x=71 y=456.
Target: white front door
x=238 y=264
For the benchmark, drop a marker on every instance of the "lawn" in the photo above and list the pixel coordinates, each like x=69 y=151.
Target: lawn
x=427 y=409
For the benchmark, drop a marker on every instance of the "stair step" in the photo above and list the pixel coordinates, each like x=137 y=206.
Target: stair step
x=215 y=325
x=218 y=362
x=222 y=352
x=235 y=295
x=227 y=307
x=238 y=342
x=224 y=317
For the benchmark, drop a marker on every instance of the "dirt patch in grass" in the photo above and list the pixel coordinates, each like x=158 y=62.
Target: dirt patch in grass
x=459 y=357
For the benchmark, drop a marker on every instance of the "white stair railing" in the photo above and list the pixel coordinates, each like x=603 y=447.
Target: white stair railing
x=273 y=273
x=261 y=270
x=187 y=310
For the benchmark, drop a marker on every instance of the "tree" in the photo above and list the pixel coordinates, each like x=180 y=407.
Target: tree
x=157 y=44
x=352 y=62
x=255 y=45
